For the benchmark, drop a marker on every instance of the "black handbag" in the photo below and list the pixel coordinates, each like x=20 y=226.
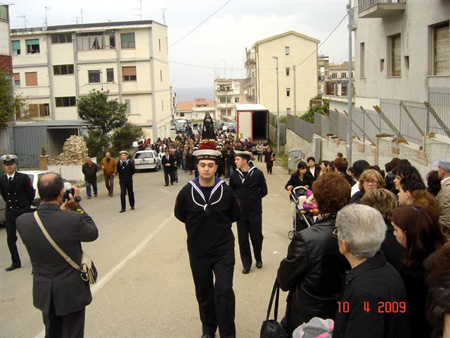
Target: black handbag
x=271 y=328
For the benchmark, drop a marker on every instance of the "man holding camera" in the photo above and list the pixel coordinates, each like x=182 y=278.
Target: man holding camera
x=58 y=290
x=18 y=193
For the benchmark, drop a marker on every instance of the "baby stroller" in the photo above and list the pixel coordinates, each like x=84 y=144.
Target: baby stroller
x=302 y=216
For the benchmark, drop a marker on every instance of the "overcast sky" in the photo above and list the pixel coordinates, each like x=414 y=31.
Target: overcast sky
x=218 y=45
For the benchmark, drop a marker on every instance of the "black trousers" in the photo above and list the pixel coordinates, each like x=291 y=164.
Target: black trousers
x=11 y=235
x=126 y=186
x=168 y=173
x=250 y=227
x=68 y=326
x=216 y=300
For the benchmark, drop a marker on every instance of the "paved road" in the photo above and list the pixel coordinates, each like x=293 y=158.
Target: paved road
x=145 y=287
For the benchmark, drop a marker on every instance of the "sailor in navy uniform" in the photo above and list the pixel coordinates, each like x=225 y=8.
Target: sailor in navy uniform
x=208 y=207
x=249 y=184
x=17 y=191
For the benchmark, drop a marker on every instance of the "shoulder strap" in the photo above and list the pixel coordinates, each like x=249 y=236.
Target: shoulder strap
x=275 y=296
x=52 y=242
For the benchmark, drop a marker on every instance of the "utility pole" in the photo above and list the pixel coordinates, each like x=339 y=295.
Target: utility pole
x=164 y=15
x=46 y=16
x=350 y=84
x=295 y=91
x=278 y=108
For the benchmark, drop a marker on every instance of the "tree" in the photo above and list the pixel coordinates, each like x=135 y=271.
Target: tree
x=316 y=105
x=103 y=114
x=6 y=99
x=124 y=137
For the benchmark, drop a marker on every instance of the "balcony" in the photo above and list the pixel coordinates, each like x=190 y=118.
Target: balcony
x=380 y=8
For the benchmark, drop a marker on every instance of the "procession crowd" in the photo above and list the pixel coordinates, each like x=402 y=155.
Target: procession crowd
x=374 y=260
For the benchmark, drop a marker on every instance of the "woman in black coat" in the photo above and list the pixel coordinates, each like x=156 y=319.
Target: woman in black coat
x=313 y=270
x=299 y=178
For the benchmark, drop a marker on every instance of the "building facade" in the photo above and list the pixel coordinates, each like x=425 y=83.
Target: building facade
x=402 y=49
x=323 y=68
x=195 y=110
x=229 y=93
x=53 y=66
x=296 y=57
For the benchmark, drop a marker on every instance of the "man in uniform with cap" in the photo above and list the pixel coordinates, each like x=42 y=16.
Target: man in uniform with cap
x=443 y=196
x=17 y=191
x=208 y=207
x=249 y=184
x=126 y=169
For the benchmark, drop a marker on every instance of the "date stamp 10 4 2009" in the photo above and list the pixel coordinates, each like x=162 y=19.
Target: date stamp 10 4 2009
x=381 y=307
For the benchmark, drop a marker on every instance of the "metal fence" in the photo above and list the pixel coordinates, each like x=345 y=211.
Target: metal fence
x=367 y=123
x=366 y=4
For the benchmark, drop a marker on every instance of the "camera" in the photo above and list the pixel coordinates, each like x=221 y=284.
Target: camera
x=68 y=190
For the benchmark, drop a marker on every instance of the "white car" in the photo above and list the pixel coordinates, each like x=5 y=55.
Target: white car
x=147 y=159
x=34 y=177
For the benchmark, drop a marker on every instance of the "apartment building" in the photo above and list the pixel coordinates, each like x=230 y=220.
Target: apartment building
x=229 y=93
x=337 y=81
x=296 y=57
x=323 y=67
x=195 y=110
x=53 y=66
x=402 y=49
x=5 y=44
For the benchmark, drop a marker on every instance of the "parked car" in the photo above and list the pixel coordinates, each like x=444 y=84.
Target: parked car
x=147 y=159
x=34 y=177
x=229 y=127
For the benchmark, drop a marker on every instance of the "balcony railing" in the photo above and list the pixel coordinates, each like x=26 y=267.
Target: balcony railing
x=379 y=8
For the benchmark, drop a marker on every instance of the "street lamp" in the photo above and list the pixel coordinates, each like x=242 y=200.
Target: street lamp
x=278 y=108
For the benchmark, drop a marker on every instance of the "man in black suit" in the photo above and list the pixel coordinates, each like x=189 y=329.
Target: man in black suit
x=313 y=169
x=126 y=170
x=168 y=162
x=18 y=193
x=58 y=290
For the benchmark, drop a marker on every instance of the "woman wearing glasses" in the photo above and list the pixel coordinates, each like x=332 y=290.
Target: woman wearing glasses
x=369 y=180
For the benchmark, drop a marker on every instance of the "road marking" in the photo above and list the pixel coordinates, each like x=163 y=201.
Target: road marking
x=103 y=281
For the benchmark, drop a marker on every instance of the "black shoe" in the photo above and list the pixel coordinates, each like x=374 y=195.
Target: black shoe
x=258 y=264
x=13 y=267
x=122 y=211
x=245 y=271
x=208 y=336
x=132 y=208
x=171 y=183
x=166 y=185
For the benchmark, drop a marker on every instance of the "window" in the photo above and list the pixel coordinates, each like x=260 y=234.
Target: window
x=62 y=69
x=62 y=38
x=32 y=46
x=287 y=71
x=94 y=76
x=109 y=75
x=15 y=47
x=160 y=75
x=334 y=75
x=129 y=73
x=343 y=75
x=96 y=40
x=127 y=40
x=66 y=101
x=159 y=43
x=362 y=53
x=39 y=110
x=236 y=100
x=394 y=55
x=288 y=110
x=288 y=92
x=222 y=100
x=286 y=50
x=31 y=79
x=440 y=49
x=128 y=103
x=4 y=13
x=16 y=79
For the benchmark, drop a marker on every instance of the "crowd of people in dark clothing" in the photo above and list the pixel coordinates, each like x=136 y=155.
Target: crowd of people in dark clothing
x=392 y=254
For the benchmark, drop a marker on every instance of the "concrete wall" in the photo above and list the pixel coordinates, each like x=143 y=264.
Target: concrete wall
x=437 y=149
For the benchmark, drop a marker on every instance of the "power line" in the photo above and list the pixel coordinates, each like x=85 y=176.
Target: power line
x=201 y=23
x=321 y=44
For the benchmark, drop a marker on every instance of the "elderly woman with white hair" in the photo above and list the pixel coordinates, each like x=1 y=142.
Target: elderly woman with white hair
x=373 y=303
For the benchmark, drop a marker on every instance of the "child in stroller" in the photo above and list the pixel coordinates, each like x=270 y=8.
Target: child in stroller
x=305 y=209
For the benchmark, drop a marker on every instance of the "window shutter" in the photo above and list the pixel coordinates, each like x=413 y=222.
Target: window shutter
x=15 y=45
x=442 y=50
x=32 y=42
x=396 y=56
x=31 y=79
x=128 y=71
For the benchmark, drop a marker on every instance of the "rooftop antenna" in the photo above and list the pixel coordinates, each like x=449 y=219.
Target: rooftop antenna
x=46 y=16
x=164 y=15
x=24 y=20
x=81 y=10
x=139 y=9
